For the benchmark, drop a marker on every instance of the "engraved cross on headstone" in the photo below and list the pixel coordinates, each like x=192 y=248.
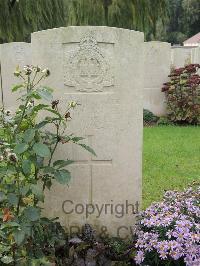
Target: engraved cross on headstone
x=92 y=161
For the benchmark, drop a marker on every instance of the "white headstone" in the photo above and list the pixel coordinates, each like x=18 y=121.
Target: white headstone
x=181 y=55
x=196 y=55
x=12 y=55
x=156 y=71
x=102 y=69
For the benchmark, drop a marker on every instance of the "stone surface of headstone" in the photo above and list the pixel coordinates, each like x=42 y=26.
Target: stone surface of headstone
x=12 y=55
x=102 y=69
x=181 y=55
x=196 y=55
x=156 y=71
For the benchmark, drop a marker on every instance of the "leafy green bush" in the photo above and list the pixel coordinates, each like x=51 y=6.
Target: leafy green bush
x=149 y=117
x=183 y=95
x=164 y=121
x=27 y=167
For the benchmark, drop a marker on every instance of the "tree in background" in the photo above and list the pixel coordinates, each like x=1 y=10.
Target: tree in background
x=191 y=16
x=164 y=20
x=131 y=14
x=182 y=22
x=18 y=18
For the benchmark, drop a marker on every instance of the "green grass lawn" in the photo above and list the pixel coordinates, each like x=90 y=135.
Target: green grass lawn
x=171 y=160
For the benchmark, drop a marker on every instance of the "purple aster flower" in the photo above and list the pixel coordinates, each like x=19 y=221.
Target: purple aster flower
x=139 y=258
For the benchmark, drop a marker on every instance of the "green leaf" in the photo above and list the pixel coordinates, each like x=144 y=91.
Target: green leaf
x=47 y=120
x=76 y=139
x=26 y=167
x=48 y=170
x=24 y=190
x=62 y=163
x=12 y=199
x=39 y=107
x=42 y=124
x=66 y=138
x=63 y=176
x=19 y=237
x=29 y=135
x=35 y=95
x=13 y=224
x=32 y=213
x=20 y=148
x=87 y=148
x=2 y=196
x=45 y=94
x=9 y=225
x=39 y=162
x=48 y=89
x=48 y=183
x=4 y=249
x=38 y=192
x=16 y=87
x=54 y=112
x=26 y=227
x=7 y=259
x=3 y=169
x=41 y=149
x=42 y=261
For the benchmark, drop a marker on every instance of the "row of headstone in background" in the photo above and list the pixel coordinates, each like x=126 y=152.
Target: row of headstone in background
x=12 y=55
x=181 y=55
x=158 y=56
x=157 y=63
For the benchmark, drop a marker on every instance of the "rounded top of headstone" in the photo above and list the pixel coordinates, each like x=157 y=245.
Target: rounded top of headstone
x=15 y=43
x=102 y=34
x=80 y=29
x=182 y=47
x=158 y=44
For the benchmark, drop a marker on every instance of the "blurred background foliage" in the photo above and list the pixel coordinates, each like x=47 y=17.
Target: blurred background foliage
x=164 y=20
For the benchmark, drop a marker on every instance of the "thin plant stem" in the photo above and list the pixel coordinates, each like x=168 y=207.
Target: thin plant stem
x=18 y=191
x=57 y=141
x=34 y=78
x=38 y=82
x=22 y=117
x=28 y=88
x=1 y=85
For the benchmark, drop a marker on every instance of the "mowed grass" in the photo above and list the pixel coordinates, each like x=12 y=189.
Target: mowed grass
x=171 y=160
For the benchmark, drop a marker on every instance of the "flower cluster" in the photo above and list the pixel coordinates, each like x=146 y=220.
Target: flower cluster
x=183 y=94
x=29 y=69
x=170 y=230
x=8 y=155
x=6 y=116
x=185 y=75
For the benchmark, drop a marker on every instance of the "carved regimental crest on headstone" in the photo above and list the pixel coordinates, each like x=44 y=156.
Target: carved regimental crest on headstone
x=86 y=67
